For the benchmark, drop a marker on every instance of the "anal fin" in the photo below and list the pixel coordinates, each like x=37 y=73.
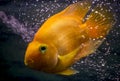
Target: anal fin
x=68 y=71
x=88 y=48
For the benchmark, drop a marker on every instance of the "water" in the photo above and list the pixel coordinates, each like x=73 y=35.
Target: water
x=20 y=19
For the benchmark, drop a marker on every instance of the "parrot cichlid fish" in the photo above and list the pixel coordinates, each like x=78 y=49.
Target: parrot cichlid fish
x=65 y=38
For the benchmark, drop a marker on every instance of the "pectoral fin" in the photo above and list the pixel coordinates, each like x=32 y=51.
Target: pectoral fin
x=67 y=60
x=68 y=71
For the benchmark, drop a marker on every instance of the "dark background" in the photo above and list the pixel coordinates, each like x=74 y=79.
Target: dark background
x=104 y=65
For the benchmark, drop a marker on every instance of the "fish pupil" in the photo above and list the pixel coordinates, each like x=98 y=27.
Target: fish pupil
x=43 y=48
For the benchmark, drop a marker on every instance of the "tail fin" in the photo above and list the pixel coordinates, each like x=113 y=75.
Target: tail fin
x=97 y=25
x=100 y=21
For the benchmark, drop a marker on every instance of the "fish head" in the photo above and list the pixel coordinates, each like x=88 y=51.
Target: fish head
x=40 y=56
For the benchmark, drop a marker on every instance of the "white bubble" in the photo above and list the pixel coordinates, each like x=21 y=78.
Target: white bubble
x=96 y=11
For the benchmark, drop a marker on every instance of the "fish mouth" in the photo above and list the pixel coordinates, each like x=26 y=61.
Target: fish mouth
x=29 y=63
x=32 y=64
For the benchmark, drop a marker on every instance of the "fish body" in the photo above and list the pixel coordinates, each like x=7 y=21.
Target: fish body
x=64 y=38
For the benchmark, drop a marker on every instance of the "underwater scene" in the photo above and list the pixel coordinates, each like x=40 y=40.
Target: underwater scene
x=99 y=21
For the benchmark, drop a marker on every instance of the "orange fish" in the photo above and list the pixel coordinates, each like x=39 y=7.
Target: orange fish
x=64 y=38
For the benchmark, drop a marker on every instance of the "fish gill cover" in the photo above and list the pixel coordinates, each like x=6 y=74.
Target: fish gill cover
x=19 y=21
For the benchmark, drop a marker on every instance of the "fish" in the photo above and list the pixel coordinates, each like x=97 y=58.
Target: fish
x=67 y=37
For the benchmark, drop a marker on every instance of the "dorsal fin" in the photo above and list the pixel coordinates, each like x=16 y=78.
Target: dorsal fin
x=79 y=9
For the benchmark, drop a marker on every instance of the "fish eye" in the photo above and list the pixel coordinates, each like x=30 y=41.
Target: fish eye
x=43 y=49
